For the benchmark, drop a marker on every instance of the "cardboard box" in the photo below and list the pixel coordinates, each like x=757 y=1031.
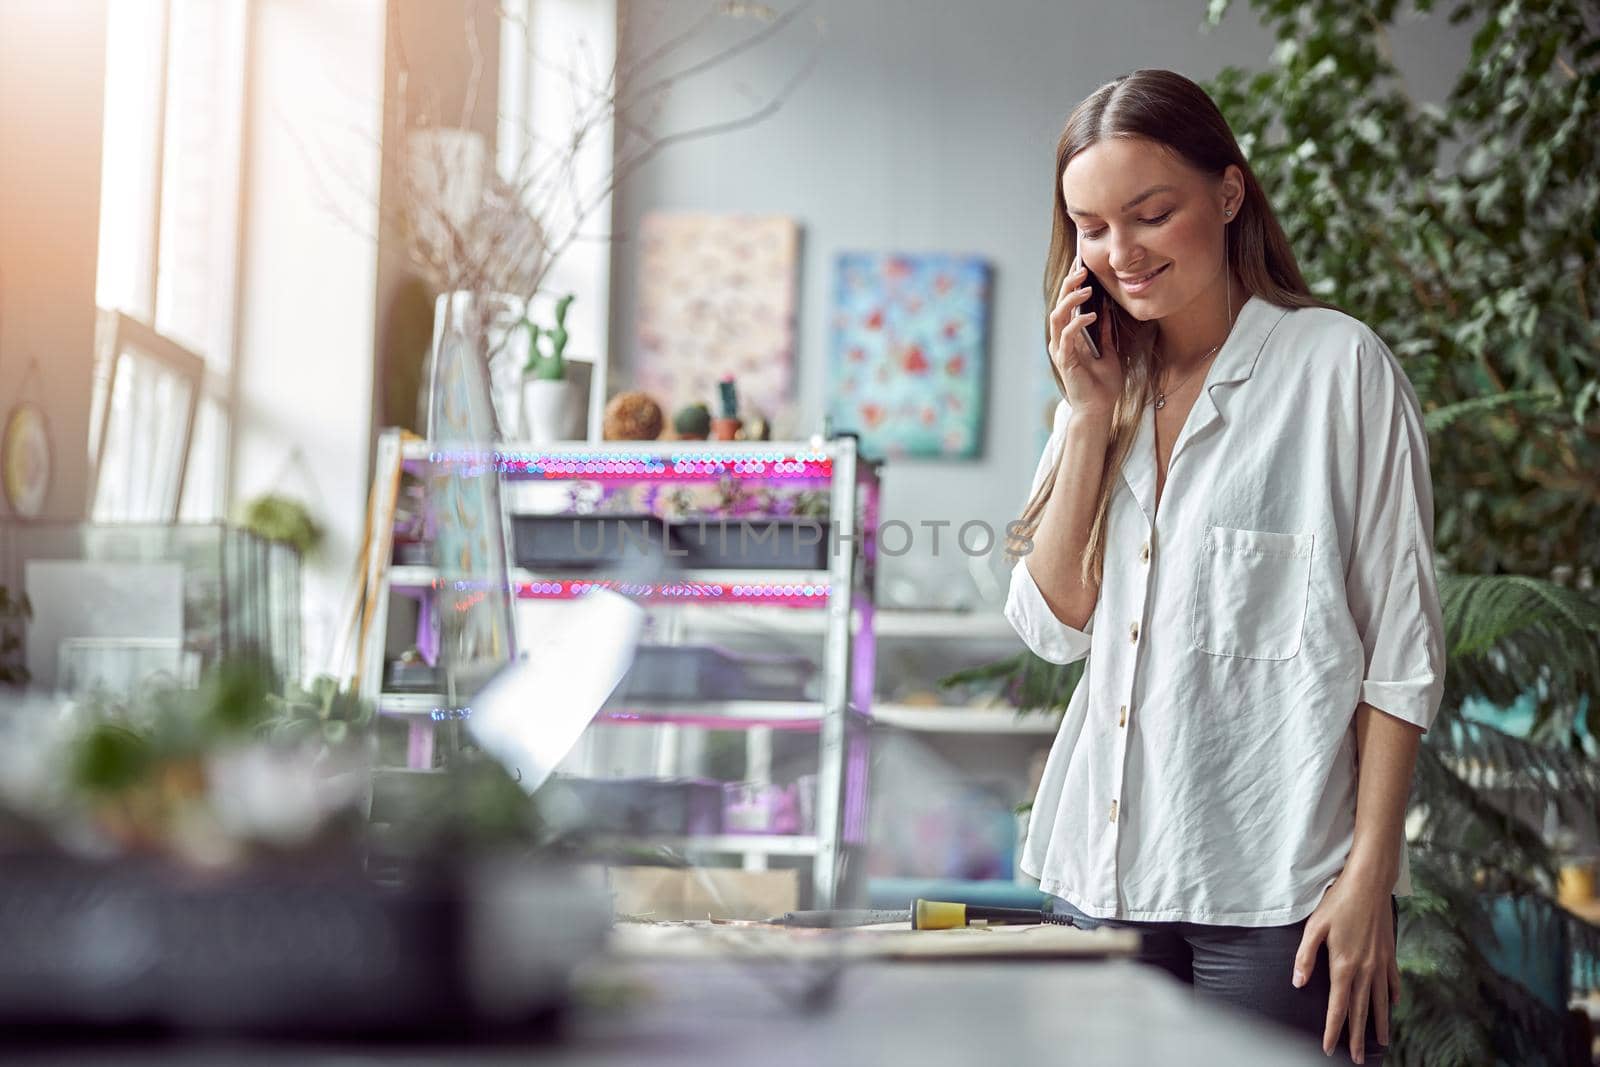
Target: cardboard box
x=668 y=893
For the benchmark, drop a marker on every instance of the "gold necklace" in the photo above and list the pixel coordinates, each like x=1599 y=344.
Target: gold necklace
x=1161 y=394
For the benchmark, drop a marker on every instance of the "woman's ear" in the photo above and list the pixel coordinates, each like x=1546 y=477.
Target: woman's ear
x=1231 y=189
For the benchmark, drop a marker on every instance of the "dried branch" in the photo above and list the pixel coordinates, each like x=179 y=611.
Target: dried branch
x=469 y=100
x=718 y=59
x=468 y=226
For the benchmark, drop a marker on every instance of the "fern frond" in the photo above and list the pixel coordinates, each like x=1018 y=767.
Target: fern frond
x=1510 y=635
x=1457 y=1009
x=1437 y=1026
x=1442 y=417
x=1460 y=816
x=1469 y=867
x=1540 y=621
x=1538 y=1031
x=1487 y=757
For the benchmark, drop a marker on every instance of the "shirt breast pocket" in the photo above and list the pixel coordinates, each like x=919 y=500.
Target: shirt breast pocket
x=1251 y=590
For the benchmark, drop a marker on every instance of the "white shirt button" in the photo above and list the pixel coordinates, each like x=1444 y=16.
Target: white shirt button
x=1122 y=716
x=1113 y=811
x=1144 y=552
x=1133 y=632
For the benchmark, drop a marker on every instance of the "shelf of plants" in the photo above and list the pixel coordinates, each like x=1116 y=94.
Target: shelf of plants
x=801 y=517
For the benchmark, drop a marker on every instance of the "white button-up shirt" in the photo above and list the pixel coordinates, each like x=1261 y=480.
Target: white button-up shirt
x=1205 y=767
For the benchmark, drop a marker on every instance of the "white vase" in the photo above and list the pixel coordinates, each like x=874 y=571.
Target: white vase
x=487 y=323
x=546 y=410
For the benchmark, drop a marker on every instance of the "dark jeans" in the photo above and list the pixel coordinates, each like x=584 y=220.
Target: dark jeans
x=1249 y=967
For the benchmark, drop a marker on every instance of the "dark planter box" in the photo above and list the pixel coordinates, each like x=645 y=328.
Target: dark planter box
x=586 y=542
x=298 y=948
x=648 y=805
x=754 y=544
x=413 y=554
x=698 y=672
x=411 y=678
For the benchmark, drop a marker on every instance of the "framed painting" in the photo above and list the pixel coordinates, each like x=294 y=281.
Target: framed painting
x=909 y=353
x=717 y=297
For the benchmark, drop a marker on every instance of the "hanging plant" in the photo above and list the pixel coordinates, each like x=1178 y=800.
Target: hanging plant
x=279 y=518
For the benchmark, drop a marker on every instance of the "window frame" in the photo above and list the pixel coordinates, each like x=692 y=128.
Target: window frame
x=120 y=334
x=211 y=375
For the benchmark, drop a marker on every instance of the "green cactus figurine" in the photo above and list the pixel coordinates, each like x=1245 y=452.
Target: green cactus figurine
x=726 y=427
x=549 y=366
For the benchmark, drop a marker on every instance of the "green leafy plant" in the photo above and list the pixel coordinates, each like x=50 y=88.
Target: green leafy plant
x=325 y=712
x=1476 y=264
x=547 y=364
x=1467 y=232
x=1509 y=635
x=159 y=770
x=1030 y=684
x=239 y=770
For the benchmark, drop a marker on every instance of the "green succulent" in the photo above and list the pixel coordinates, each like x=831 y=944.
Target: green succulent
x=693 y=420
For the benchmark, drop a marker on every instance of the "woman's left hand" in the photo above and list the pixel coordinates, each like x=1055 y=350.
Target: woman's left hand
x=1355 y=921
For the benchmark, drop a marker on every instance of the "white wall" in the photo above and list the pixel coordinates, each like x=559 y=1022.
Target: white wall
x=308 y=278
x=52 y=86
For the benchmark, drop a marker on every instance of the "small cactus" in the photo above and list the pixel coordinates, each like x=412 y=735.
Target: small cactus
x=730 y=402
x=693 y=420
x=549 y=366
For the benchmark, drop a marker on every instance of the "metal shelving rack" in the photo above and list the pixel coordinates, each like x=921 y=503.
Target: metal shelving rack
x=842 y=594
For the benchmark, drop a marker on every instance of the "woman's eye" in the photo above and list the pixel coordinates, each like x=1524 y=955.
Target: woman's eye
x=1095 y=235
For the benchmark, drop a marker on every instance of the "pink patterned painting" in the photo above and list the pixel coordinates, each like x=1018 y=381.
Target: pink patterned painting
x=716 y=297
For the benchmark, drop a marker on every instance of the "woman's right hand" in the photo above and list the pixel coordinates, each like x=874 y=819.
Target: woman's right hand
x=1093 y=384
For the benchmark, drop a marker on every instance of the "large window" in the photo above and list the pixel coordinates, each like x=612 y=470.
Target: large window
x=556 y=57
x=169 y=232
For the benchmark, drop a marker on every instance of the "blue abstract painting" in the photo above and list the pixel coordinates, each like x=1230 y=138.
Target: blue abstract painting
x=909 y=352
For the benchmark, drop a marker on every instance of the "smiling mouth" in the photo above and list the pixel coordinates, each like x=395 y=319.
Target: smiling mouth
x=1134 y=283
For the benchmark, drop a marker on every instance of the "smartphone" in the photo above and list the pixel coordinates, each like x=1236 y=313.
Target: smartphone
x=1094 y=301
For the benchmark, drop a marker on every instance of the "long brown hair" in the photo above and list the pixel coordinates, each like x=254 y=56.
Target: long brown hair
x=1171 y=110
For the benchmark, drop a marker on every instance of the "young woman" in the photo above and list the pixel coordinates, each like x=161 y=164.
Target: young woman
x=1233 y=522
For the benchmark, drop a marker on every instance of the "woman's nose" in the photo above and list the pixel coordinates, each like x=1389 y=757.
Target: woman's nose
x=1125 y=255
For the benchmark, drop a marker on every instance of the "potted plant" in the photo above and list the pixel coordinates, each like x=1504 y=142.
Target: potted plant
x=692 y=422
x=546 y=392
x=274 y=517
x=726 y=426
x=485 y=234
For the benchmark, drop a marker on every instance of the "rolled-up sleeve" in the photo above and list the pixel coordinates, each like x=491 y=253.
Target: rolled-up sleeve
x=1389 y=576
x=1046 y=635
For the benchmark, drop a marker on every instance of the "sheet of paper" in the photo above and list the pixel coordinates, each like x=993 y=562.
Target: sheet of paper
x=530 y=714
